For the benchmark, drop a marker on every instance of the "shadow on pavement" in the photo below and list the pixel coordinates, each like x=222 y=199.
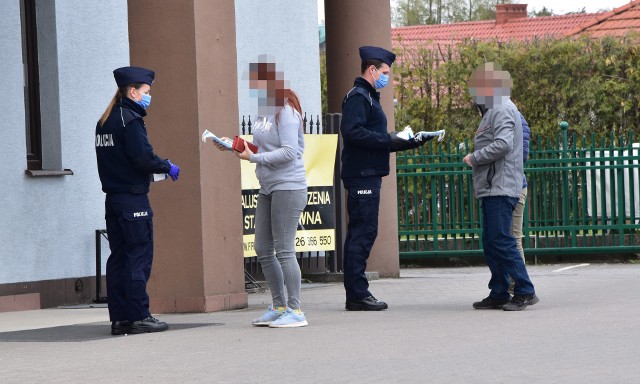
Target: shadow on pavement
x=79 y=332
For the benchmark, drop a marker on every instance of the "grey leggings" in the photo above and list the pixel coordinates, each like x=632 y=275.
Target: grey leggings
x=277 y=217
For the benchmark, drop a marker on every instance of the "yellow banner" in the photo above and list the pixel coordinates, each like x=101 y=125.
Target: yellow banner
x=316 y=229
x=319 y=160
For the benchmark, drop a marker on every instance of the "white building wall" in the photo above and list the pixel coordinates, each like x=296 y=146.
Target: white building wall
x=288 y=31
x=47 y=224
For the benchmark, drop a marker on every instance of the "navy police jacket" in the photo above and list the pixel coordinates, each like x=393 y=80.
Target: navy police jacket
x=366 y=142
x=125 y=157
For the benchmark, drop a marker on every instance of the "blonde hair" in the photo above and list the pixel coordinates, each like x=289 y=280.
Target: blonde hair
x=117 y=98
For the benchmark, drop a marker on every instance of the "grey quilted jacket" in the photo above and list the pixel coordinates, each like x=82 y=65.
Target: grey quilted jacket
x=497 y=158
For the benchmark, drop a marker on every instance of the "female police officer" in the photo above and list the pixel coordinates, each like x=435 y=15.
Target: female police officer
x=126 y=163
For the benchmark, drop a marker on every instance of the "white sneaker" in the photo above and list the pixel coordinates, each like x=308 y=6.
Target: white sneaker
x=290 y=319
x=269 y=317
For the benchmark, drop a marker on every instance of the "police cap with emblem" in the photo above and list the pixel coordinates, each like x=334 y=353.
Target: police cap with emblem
x=130 y=75
x=368 y=52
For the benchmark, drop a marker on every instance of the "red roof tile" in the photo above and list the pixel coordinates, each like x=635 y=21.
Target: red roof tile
x=519 y=29
x=618 y=22
x=615 y=22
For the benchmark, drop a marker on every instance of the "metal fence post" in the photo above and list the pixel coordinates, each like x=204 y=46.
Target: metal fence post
x=565 y=177
x=99 y=298
x=332 y=125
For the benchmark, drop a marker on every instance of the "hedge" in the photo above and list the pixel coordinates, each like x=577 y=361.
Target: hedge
x=594 y=84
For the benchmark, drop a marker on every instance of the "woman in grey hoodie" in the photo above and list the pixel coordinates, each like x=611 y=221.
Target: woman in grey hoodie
x=278 y=134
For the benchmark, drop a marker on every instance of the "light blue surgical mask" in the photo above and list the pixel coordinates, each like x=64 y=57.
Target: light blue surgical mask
x=145 y=101
x=382 y=80
x=258 y=93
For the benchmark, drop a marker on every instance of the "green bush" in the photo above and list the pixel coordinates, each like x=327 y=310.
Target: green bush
x=594 y=84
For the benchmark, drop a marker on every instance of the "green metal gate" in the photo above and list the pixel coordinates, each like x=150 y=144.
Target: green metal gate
x=583 y=198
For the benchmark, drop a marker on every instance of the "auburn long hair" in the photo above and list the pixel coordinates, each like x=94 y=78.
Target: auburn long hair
x=291 y=99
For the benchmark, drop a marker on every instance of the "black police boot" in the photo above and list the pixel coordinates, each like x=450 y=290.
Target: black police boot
x=120 y=327
x=150 y=324
x=367 y=304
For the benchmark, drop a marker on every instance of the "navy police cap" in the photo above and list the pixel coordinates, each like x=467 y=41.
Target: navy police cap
x=368 y=52
x=129 y=75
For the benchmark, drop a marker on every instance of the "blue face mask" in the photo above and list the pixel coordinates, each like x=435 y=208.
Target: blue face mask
x=382 y=81
x=258 y=93
x=145 y=101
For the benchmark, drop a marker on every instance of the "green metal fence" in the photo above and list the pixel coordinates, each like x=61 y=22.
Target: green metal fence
x=582 y=198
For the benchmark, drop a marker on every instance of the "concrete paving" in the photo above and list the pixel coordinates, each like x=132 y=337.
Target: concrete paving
x=584 y=330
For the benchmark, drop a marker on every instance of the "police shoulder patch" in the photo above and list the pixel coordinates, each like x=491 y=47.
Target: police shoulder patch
x=359 y=91
x=128 y=116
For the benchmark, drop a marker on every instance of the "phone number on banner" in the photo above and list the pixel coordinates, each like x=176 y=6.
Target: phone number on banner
x=306 y=241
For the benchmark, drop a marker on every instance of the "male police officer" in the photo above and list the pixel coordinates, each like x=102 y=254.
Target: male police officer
x=126 y=163
x=365 y=160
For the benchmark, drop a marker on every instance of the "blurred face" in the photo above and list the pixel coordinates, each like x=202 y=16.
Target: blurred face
x=481 y=88
x=267 y=84
x=489 y=86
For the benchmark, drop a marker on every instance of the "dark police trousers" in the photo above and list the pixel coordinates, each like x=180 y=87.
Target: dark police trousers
x=130 y=231
x=363 y=204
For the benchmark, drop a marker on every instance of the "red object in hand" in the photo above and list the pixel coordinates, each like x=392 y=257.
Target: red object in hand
x=239 y=143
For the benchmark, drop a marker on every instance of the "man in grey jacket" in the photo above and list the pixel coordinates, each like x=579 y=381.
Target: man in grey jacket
x=497 y=183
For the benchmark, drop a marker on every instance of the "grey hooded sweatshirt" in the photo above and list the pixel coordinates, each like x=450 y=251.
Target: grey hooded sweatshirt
x=497 y=159
x=279 y=164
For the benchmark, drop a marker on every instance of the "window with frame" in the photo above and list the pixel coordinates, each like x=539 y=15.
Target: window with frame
x=31 y=84
x=41 y=89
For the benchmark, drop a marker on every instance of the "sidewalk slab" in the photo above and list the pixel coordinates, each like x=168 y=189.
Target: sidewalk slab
x=51 y=317
x=582 y=331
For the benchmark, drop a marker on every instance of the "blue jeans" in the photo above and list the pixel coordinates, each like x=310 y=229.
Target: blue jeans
x=500 y=250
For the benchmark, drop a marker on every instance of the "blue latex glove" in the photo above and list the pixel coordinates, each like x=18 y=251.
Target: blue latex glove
x=174 y=172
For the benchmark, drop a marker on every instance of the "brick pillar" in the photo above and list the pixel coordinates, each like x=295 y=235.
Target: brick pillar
x=198 y=264
x=349 y=25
